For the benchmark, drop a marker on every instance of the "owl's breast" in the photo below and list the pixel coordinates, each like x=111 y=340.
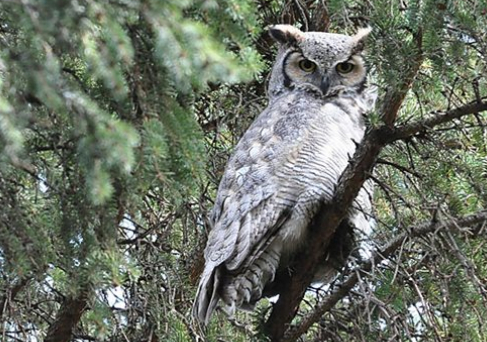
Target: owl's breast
x=323 y=150
x=312 y=168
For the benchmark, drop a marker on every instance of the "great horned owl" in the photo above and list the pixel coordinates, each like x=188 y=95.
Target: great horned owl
x=287 y=164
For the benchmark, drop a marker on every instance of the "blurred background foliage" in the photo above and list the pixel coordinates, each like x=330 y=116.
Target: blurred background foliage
x=117 y=118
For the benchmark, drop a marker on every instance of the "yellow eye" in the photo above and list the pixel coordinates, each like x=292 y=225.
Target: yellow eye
x=307 y=65
x=345 y=67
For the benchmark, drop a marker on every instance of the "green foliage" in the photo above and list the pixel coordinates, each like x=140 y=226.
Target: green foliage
x=97 y=128
x=116 y=121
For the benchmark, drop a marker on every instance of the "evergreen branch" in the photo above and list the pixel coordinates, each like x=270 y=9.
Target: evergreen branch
x=54 y=147
x=68 y=317
x=401 y=168
x=85 y=337
x=394 y=97
x=13 y=336
x=11 y=293
x=352 y=276
x=418 y=127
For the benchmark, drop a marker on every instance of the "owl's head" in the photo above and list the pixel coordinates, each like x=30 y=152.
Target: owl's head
x=331 y=62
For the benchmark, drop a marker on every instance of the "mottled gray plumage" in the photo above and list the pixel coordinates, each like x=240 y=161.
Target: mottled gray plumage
x=285 y=165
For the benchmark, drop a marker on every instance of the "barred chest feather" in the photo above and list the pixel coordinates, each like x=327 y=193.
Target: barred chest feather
x=322 y=152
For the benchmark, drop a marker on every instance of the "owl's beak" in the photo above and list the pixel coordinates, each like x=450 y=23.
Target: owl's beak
x=325 y=84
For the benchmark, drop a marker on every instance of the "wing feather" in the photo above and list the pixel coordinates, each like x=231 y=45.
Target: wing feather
x=247 y=211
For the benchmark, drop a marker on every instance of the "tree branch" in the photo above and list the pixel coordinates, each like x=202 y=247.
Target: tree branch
x=324 y=225
x=418 y=127
x=352 y=276
x=330 y=215
x=401 y=168
x=394 y=97
x=68 y=317
x=322 y=229
x=11 y=293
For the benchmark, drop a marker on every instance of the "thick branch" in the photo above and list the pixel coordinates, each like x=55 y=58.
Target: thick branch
x=351 y=277
x=330 y=216
x=68 y=317
x=325 y=223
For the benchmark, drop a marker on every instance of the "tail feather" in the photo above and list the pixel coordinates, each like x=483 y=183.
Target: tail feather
x=207 y=295
x=241 y=290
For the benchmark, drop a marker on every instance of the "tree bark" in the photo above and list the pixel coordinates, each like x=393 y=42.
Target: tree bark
x=322 y=229
x=68 y=317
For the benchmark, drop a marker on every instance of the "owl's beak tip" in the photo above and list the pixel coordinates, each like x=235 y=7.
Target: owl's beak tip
x=325 y=85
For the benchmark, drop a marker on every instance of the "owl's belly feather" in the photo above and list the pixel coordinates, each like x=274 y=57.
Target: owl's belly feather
x=314 y=174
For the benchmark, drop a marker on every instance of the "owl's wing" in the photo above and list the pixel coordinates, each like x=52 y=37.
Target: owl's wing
x=249 y=202
x=248 y=209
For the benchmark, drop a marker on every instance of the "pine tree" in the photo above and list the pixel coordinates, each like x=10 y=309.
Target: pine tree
x=103 y=160
x=116 y=121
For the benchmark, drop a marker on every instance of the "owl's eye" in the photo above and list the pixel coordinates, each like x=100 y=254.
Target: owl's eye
x=345 y=67
x=307 y=65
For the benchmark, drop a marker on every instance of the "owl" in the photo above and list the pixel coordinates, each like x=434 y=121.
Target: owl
x=284 y=167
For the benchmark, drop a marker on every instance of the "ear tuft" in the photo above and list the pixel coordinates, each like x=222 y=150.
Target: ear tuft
x=286 y=34
x=359 y=39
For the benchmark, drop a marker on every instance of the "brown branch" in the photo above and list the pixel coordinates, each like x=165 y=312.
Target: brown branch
x=65 y=146
x=408 y=130
x=401 y=168
x=323 y=226
x=352 y=276
x=332 y=214
x=394 y=97
x=68 y=317
x=325 y=223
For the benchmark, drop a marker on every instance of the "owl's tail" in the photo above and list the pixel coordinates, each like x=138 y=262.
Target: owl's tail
x=238 y=291
x=207 y=295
